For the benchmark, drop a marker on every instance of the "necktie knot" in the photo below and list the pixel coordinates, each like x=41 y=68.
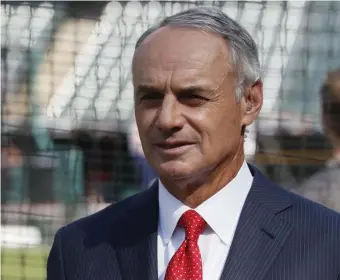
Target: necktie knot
x=193 y=224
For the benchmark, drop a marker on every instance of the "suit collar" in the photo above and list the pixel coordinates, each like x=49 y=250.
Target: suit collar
x=261 y=233
x=267 y=193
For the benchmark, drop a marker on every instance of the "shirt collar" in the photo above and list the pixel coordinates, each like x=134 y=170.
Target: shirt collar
x=170 y=211
x=221 y=211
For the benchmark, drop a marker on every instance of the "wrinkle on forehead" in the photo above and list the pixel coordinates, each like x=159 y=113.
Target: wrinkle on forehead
x=179 y=43
x=184 y=53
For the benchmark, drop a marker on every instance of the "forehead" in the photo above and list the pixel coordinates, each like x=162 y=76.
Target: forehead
x=181 y=52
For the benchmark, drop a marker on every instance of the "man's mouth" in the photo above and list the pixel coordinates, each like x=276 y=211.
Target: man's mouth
x=172 y=144
x=174 y=147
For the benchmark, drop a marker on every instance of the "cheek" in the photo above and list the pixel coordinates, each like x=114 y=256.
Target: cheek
x=144 y=119
x=220 y=131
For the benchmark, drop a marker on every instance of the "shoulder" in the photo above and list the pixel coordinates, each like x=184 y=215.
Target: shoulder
x=301 y=212
x=312 y=208
x=310 y=216
x=312 y=225
x=315 y=226
x=111 y=219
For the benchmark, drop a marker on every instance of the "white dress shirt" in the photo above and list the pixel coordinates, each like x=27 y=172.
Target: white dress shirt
x=221 y=212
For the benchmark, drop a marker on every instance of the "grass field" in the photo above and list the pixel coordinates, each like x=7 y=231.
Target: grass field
x=27 y=263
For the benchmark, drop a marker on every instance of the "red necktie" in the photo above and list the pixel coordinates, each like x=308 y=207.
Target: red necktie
x=186 y=264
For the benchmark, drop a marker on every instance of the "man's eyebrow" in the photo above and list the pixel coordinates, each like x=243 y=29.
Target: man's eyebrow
x=184 y=90
x=192 y=89
x=147 y=88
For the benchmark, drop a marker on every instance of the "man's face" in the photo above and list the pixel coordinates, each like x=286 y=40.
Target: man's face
x=186 y=110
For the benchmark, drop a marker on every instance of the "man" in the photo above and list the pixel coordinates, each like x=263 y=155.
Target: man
x=210 y=215
x=324 y=186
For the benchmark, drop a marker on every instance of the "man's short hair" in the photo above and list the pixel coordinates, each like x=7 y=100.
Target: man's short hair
x=242 y=47
x=330 y=100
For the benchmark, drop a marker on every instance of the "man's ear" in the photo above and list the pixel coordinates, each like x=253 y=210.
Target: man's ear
x=252 y=100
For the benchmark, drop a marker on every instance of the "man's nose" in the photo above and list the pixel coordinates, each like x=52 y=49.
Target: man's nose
x=169 y=117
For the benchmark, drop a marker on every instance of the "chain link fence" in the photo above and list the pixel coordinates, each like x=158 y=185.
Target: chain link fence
x=68 y=139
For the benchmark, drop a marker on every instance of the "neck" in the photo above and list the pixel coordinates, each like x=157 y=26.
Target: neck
x=193 y=193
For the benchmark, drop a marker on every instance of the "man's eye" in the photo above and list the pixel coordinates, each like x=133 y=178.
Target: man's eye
x=194 y=99
x=151 y=96
x=193 y=96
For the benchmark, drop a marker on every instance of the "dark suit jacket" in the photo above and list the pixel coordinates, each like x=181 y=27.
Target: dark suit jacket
x=280 y=236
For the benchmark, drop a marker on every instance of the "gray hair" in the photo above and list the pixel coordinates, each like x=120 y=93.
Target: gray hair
x=242 y=48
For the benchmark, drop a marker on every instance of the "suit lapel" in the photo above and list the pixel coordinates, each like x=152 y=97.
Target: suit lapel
x=136 y=245
x=260 y=233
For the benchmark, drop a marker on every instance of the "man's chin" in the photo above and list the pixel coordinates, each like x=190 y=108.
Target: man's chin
x=174 y=170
